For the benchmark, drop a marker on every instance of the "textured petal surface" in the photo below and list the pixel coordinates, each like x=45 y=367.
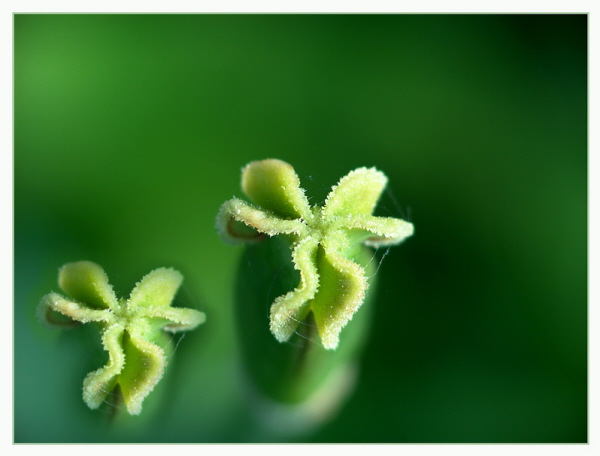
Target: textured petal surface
x=181 y=319
x=98 y=384
x=341 y=292
x=74 y=310
x=384 y=230
x=356 y=193
x=50 y=317
x=144 y=368
x=87 y=282
x=156 y=289
x=275 y=186
x=231 y=229
x=254 y=218
x=290 y=309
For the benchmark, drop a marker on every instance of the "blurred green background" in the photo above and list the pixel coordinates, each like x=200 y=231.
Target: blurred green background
x=131 y=130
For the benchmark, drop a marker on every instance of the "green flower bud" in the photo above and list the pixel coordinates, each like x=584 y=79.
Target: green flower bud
x=309 y=267
x=132 y=330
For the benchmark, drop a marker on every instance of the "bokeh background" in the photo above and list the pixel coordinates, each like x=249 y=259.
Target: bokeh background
x=131 y=130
